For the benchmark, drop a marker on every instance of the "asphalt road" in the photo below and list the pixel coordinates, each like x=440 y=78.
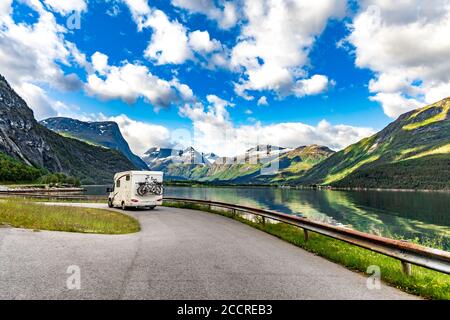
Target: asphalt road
x=179 y=254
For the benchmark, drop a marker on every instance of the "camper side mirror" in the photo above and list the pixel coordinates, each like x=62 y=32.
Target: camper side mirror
x=109 y=190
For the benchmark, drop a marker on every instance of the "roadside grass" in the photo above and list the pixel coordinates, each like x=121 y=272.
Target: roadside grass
x=27 y=215
x=423 y=282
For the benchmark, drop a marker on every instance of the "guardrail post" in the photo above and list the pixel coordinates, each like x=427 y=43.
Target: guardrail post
x=264 y=221
x=306 y=235
x=406 y=266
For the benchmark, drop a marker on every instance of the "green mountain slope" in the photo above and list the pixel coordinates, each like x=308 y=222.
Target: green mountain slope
x=106 y=134
x=413 y=152
x=91 y=164
x=298 y=162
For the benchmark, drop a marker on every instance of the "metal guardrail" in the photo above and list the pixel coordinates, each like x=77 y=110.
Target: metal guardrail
x=407 y=253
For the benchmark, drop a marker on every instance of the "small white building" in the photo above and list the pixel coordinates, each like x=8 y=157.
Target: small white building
x=137 y=189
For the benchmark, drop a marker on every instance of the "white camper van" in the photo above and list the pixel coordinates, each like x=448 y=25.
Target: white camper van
x=136 y=189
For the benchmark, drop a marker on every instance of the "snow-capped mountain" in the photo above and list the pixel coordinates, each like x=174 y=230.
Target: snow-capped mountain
x=162 y=158
x=256 y=155
x=190 y=164
x=211 y=157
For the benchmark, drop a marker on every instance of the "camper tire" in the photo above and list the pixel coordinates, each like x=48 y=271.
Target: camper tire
x=110 y=204
x=124 y=207
x=152 y=207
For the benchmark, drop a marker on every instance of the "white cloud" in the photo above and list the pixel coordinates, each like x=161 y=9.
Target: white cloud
x=405 y=43
x=263 y=101
x=219 y=104
x=200 y=41
x=184 y=90
x=225 y=14
x=214 y=131
x=276 y=40
x=169 y=42
x=229 y=15
x=295 y=134
x=130 y=82
x=139 y=10
x=271 y=52
x=36 y=98
x=209 y=53
x=100 y=62
x=172 y=43
x=395 y=104
x=65 y=7
x=141 y=135
x=214 y=119
x=437 y=92
x=315 y=85
x=30 y=53
x=44 y=106
x=5 y=9
x=31 y=56
x=77 y=56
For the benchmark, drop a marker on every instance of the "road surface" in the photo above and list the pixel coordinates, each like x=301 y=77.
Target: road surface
x=179 y=254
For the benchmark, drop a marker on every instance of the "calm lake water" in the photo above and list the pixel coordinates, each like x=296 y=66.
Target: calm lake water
x=419 y=216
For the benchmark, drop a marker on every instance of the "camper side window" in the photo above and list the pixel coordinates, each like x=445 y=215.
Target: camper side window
x=118 y=183
x=127 y=178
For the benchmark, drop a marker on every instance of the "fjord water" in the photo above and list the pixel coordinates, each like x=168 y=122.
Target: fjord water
x=415 y=216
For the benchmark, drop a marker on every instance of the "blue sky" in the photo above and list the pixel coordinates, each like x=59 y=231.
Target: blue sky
x=286 y=71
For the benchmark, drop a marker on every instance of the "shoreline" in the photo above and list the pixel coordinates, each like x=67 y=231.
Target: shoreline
x=203 y=185
x=7 y=190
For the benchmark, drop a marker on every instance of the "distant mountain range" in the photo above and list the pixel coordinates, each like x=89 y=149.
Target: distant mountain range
x=267 y=165
x=161 y=158
x=24 y=139
x=413 y=152
x=258 y=165
x=106 y=134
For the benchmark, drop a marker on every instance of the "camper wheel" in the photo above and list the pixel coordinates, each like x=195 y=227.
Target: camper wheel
x=110 y=204
x=151 y=207
x=123 y=206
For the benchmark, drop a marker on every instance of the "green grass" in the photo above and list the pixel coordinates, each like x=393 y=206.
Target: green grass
x=445 y=149
x=423 y=282
x=343 y=173
x=439 y=117
x=27 y=215
x=68 y=135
